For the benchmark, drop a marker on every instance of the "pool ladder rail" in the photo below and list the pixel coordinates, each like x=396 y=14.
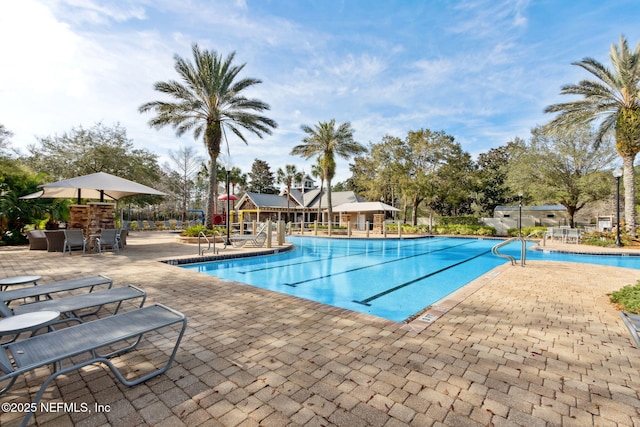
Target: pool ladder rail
x=523 y=253
x=215 y=251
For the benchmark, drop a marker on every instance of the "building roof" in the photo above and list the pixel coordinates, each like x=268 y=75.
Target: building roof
x=532 y=208
x=309 y=199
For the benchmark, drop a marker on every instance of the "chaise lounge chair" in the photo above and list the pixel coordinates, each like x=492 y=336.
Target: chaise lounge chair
x=58 y=347
x=72 y=306
x=52 y=288
x=632 y=322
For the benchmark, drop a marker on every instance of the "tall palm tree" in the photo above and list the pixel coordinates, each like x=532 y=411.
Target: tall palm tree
x=614 y=98
x=317 y=172
x=325 y=141
x=287 y=177
x=209 y=100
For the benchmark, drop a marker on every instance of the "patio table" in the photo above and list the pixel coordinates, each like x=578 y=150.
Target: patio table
x=18 y=280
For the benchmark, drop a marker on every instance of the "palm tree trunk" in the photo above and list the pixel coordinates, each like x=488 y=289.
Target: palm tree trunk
x=629 y=194
x=211 y=200
x=320 y=201
x=330 y=207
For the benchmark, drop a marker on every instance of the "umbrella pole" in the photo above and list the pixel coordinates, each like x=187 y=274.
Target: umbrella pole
x=79 y=193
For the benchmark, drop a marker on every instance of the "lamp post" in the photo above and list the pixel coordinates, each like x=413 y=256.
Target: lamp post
x=520 y=214
x=617 y=173
x=227 y=166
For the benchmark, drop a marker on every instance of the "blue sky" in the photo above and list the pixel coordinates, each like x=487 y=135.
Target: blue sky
x=482 y=71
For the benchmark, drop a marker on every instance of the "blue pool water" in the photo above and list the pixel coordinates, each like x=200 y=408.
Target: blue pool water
x=393 y=279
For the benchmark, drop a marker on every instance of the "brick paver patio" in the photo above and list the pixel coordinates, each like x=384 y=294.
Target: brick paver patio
x=533 y=346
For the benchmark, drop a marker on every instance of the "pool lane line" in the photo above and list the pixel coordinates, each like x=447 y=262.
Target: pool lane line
x=366 y=301
x=330 y=258
x=364 y=267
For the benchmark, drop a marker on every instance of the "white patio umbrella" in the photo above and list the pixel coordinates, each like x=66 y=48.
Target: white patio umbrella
x=99 y=185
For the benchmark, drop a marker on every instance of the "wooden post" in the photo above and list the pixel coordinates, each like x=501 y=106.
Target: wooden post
x=315 y=227
x=268 y=231
x=348 y=228
x=366 y=224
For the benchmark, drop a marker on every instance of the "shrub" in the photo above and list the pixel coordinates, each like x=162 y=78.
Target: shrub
x=466 y=230
x=627 y=298
x=194 y=230
x=460 y=220
x=526 y=231
x=605 y=239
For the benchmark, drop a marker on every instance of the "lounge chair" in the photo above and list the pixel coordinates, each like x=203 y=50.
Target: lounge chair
x=37 y=240
x=57 y=347
x=632 y=322
x=108 y=238
x=72 y=306
x=52 y=288
x=74 y=239
x=255 y=240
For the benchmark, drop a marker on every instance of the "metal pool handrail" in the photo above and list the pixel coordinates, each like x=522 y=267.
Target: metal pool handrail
x=523 y=256
x=216 y=234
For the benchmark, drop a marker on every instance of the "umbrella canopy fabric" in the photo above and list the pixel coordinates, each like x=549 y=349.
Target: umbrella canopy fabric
x=99 y=185
x=225 y=197
x=364 y=207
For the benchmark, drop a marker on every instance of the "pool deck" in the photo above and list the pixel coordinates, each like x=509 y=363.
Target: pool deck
x=533 y=346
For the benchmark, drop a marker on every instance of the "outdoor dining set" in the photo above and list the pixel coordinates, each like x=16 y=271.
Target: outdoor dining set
x=75 y=239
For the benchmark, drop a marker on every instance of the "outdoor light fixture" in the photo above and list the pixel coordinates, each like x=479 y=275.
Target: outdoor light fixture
x=617 y=173
x=520 y=215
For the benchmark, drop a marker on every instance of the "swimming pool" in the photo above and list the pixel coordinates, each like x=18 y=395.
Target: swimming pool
x=393 y=279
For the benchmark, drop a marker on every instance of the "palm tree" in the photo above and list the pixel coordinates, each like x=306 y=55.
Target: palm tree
x=287 y=177
x=209 y=100
x=316 y=171
x=614 y=99
x=326 y=141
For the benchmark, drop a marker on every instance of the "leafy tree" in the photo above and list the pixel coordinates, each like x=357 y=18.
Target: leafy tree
x=288 y=176
x=209 y=100
x=261 y=178
x=17 y=180
x=564 y=169
x=238 y=179
x=5 y=136
x=378 y=175
x=325 y=142
x=493 y=169
x=187 y=163
x=456 y=179
x=613 y=98
x=98 y=149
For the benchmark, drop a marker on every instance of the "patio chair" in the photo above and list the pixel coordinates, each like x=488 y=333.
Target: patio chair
x=74 y=239
x=122 y=238
x=55 y=287
x=55 y=240
x=632 y=322
x=58 y=347
x=108 y=237
x=37 y=240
